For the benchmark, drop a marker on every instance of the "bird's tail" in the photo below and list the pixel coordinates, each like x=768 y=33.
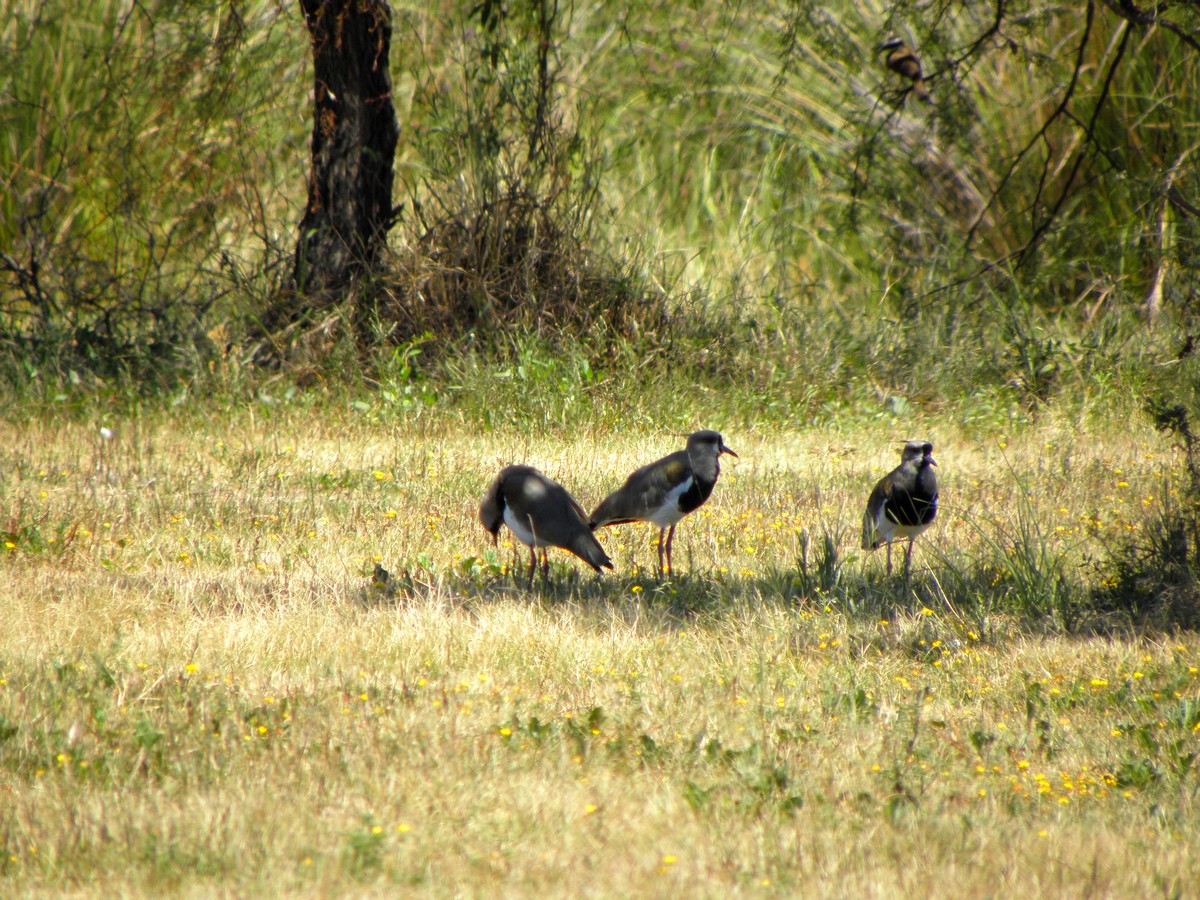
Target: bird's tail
x=587 y=548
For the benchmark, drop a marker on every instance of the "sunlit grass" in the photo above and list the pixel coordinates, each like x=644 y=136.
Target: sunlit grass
x=193 y=643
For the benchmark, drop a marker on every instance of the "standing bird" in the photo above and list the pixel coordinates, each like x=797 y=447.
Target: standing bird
x=665 y=491
x=904 y=503
x=540 y=513
x=903 y=61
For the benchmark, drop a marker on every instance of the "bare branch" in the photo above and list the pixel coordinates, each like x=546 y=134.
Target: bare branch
x=990 y=32
x=1042 y=133
x=1090 y=141
x=1131 y=13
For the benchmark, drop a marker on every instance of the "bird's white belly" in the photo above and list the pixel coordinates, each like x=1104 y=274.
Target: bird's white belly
x=668 y=512
x=521 y=529
x=887 y=530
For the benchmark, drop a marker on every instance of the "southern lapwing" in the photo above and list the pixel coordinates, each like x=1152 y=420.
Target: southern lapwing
x=904 y=503
x=901 y=60
x=540 y=513
x=665 y=491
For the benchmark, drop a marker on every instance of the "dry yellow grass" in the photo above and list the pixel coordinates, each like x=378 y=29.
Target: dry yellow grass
x=202 y=691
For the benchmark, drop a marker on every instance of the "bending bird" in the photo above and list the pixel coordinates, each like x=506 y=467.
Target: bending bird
x=541 y=513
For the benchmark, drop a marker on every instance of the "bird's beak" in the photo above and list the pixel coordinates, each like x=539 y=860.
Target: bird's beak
x=725 y=449
x=496 y=538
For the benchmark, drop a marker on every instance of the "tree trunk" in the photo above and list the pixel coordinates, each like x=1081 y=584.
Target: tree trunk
x=354 y=137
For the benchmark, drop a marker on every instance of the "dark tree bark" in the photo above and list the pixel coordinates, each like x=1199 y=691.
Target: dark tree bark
x=354 y=137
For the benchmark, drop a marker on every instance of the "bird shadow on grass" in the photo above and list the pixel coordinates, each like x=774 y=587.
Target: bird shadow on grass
x=1017 y=572
x=820 y=585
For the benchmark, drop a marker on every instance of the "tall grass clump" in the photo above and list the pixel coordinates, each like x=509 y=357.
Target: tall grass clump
x=1153 y=578
x=1018 y=571
x=145 y=156
x=502 y=208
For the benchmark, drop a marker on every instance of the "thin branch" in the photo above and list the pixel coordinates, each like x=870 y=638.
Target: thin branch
x=1090 y=141
x=990 y=32
x=1042 y=132
x=1179 y=203
x=1131 y=13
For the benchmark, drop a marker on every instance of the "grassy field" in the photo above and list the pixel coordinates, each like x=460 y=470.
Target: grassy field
x=203 y=691
x=204 y=687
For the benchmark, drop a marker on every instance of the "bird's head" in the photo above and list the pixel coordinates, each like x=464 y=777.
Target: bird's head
x=917 y=451
x=710 y=442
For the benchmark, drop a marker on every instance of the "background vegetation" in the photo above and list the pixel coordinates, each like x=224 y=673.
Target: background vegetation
x=754 y=173
x=617 y=225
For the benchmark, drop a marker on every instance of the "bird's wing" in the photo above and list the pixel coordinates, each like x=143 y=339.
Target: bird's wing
x=579 y=510
x=897 y=499
x=877 y=507
x=649 y=484
x=565 y=525
x=640 y=494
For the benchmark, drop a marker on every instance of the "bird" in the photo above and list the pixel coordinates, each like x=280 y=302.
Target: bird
x=666 y=490
x=904 y=502
x=540 y=512
x=903 y=61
